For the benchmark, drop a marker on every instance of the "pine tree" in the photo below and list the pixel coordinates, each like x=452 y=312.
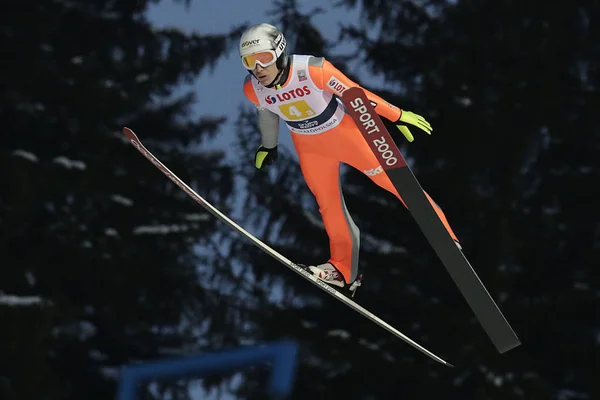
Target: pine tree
x=122 y=262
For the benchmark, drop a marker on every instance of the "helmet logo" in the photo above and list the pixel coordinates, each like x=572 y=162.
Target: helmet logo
x=250 y=43
x=278 y=39
x=279 y=43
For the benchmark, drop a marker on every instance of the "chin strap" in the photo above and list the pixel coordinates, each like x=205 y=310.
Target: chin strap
x=270 y=85
x=278 y=84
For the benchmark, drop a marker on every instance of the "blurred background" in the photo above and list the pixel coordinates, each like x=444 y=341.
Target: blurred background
x=105 y=262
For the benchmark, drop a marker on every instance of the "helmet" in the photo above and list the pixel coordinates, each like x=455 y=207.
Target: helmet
x=263 y=44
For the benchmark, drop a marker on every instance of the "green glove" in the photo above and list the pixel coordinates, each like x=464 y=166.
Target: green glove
x=410 y=118
x=265 y=156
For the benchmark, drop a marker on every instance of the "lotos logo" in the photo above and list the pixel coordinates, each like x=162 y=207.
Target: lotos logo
x=290 y=94
x=250 y=43
x=336 y=85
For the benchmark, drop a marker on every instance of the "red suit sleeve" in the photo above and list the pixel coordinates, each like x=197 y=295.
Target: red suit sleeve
x=326 y=76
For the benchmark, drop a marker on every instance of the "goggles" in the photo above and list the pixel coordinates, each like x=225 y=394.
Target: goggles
x=264 y=58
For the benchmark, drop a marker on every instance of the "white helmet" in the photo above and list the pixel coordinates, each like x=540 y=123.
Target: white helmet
x=263 y=44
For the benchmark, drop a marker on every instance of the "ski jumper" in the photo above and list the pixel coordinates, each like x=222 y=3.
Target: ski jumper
x=325 y=136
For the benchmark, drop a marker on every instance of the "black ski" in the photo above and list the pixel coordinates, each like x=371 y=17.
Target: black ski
x=394 y=165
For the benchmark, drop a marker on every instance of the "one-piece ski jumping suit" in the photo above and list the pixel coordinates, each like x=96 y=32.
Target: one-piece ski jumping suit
x=325 y=136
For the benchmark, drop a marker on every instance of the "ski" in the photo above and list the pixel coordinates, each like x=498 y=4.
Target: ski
x=133 y=139
x=394 y=165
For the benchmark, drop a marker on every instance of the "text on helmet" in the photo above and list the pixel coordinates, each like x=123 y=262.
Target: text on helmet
x=250 y=43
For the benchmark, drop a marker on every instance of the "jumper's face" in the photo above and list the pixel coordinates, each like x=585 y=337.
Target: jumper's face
x=263 y=65
x=265 y=75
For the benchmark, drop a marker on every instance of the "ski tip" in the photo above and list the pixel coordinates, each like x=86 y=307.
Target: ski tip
x=129 y=133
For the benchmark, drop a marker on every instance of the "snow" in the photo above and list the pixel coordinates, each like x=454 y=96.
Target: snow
x=30 y=278
x=111 y=372
x=83 y=330
x=368 y=345
x=25 y=154
x=142 y=78
x=308 y=324
x=197 y=217
x=159 y=229
x=111 y=232
x=117 y=198
x=463 y=101
x=343 y=334
x=12 y=300
x=69 y=164
x=568 y=394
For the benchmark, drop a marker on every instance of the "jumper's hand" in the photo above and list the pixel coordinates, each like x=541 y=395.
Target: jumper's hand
x=410 y=118
x=265 y=157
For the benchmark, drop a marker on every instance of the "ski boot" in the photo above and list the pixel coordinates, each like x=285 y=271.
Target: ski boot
x=331 y=276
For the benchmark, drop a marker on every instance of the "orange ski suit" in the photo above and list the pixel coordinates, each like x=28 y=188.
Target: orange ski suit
x=320 y=155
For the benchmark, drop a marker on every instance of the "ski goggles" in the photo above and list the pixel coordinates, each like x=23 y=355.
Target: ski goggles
x=264 y=58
